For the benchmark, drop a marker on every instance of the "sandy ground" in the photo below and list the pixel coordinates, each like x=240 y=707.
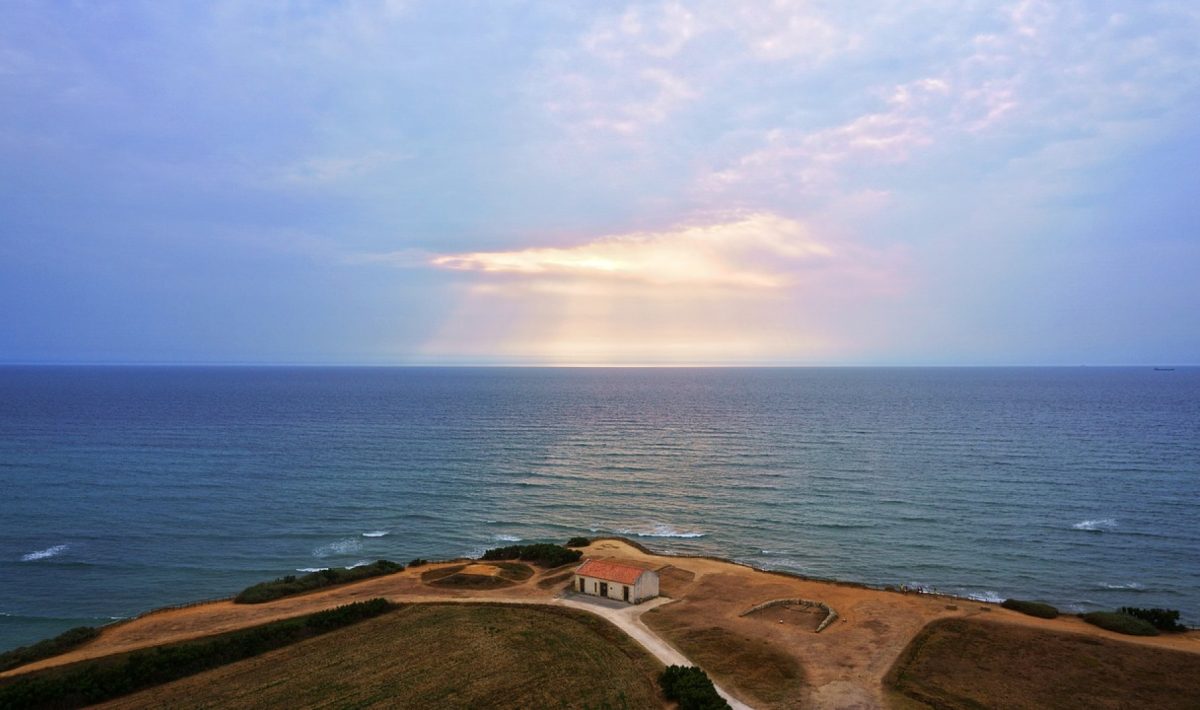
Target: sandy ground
x=844 y=665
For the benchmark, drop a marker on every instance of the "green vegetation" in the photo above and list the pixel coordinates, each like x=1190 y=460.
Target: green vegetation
x=105 y=678
x=1161 y=619
x=1120 y=623
x=960 y=664
x=291 y=584
x=544 y=554
x=691 y=688
x=436 y=656
x=418 y=562
x=1038 y=609
x=578 y=542
x=62 y=643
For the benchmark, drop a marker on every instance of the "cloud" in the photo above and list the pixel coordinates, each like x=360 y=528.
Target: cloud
x=756 y=288
x=757 y=251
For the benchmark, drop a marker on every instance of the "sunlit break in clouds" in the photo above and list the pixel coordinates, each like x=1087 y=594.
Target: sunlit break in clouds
x=732 y=291
x=594 y=183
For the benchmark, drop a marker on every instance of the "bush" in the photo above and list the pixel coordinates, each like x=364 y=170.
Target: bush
x=544 y=554
x=418 y=562
x=291 y=584
x=1120 y=623
x=691 y=688
x=1161 y=619
x=1042 y=611
x=578 y=542
x=46 y=648
x=101 y=679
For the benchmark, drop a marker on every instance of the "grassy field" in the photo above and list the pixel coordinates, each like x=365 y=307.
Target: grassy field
x=764 y=674
x=438 y=655
x=478 y=575
x=959 y=663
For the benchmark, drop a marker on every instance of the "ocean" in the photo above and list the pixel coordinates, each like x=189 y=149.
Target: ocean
x=127 y=488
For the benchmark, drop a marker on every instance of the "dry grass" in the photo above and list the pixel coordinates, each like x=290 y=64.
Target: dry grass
x=423 y=656
x=967 y=663
x=754 y=668
x=482 y=575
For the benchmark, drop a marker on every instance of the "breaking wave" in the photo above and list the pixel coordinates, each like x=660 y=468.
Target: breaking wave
x=659 y=530
x=360 y=563
x=506 y=538
x=987 y=596
x=1127 y=586
x=43 y=554
x=376 y=533
x=1099 y=525
x=311 y=569
x=348 y=546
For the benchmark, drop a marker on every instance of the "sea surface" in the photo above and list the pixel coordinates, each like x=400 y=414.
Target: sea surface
x=127 y=488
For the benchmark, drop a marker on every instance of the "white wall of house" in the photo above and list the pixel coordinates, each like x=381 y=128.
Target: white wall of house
x=646 y=587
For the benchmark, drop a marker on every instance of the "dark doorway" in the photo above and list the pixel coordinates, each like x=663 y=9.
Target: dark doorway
x=581 y=583
x=626 y=593
x=604 y=589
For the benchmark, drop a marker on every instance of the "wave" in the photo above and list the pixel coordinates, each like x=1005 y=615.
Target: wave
x=1127 y=586
x=376 y=533
x=360 y=563
x=43 y=554
x=1098 y=525
x=348 y=546
x=659 y=530
x=986 y=596
x=506 y=538
x=308 y=570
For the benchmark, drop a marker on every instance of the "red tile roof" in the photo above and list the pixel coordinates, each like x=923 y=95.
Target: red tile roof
x=610 y=571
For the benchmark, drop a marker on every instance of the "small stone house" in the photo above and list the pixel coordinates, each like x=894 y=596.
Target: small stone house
x=615 y=580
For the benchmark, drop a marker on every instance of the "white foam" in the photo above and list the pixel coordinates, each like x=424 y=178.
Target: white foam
x=659 y=530
x=360 y=563
x=311 y=569
x=987 y=596
x=348 y=546
x=506 y=538
x=43 y=554
x=1126 y=585
x=376 y=533
x=1098 y=525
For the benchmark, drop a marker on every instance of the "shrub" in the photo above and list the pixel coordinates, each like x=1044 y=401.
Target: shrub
x=418 y=562
x=1042 y=611
x=578 y=542
x=101 y=679
x=48 y=647
x=1120 y=623
x=544 y=554
x=691 y=688
x=291 y=584
x=1161 y=619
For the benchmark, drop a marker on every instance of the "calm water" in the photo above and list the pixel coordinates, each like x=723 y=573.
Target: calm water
x=128 y=488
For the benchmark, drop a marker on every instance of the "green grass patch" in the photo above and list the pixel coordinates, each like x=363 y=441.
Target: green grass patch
x=1120 y=623
x=62 y=643
x=544 y=554
x=102 y=679
x=291 y=584
x=1038 y=609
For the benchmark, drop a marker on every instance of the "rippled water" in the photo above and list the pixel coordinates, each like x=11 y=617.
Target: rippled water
x=129 y=488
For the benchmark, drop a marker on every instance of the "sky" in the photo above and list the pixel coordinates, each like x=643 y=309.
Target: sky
x=899 y=182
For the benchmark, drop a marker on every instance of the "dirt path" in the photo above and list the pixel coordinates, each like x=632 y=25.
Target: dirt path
x=628 y=619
